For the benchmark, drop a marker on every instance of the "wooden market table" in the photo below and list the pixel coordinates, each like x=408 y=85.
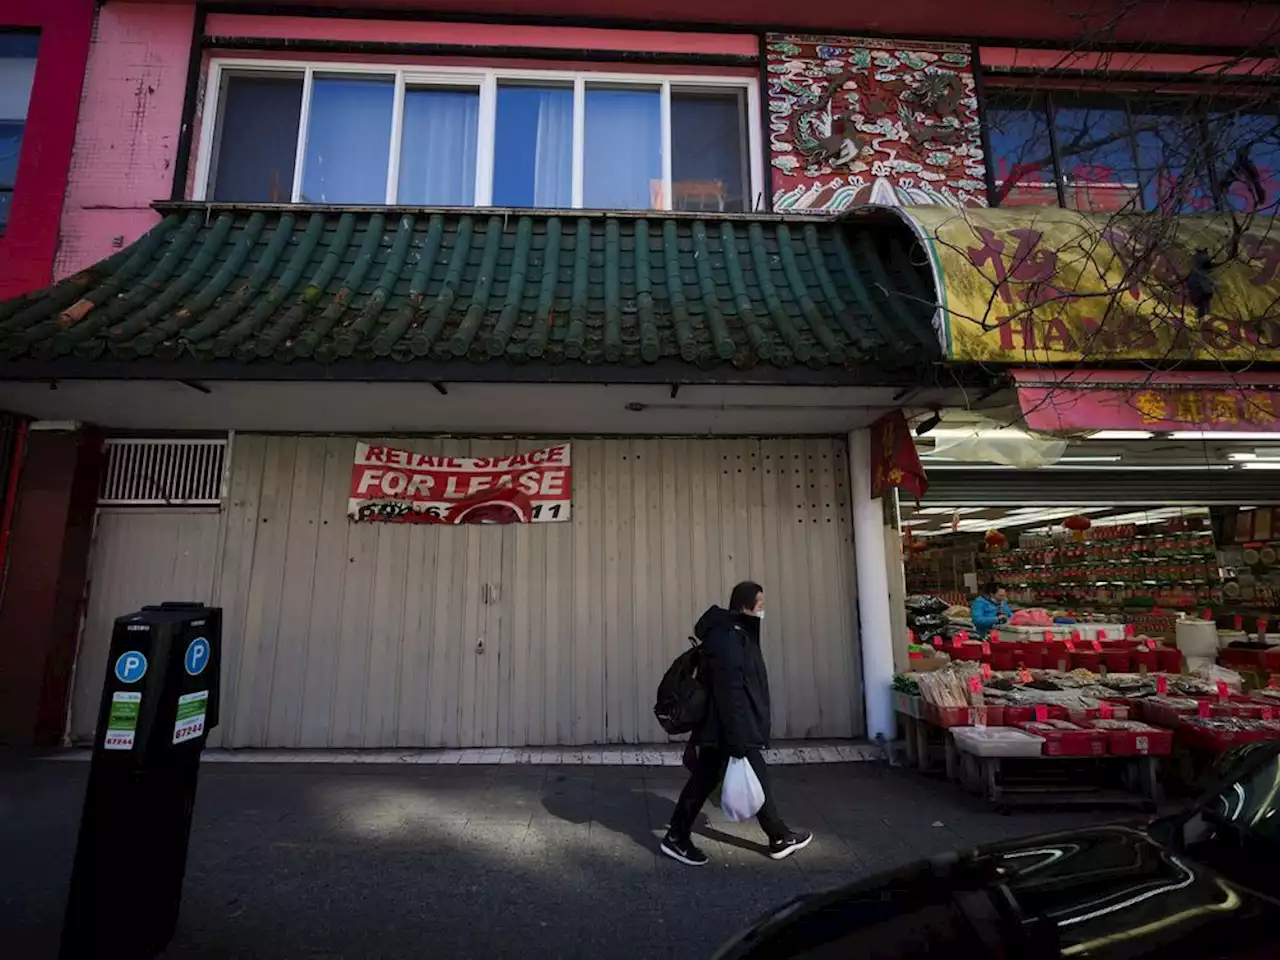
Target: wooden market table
x=1009 y=782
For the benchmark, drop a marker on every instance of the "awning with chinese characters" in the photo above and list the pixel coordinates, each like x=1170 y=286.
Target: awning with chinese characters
x=1044 y=285
x=1060 y=401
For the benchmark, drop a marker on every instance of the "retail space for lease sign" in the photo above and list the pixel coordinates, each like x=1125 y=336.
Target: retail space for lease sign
x=391 y=485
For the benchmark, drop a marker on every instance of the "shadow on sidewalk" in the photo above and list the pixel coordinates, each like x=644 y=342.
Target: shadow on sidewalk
x=634 y=812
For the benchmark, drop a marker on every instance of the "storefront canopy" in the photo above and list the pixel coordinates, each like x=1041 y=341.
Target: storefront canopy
x=1032 y=285
x=1186 y=400
x=281 y=285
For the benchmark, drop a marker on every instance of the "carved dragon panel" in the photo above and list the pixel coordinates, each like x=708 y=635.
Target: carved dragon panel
x=855 y=120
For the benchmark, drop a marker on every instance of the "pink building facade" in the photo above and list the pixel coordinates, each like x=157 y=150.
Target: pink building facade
x=43 y=47
x=161 y=78
x=316 y=271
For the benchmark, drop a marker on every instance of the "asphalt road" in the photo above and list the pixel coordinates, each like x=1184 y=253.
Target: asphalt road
x=362 y=861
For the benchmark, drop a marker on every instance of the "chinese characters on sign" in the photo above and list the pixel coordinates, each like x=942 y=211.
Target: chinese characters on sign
x=894 y=461
x=398 y=486
x=1159 y=402
x=1205 y=409
x=1057 y=286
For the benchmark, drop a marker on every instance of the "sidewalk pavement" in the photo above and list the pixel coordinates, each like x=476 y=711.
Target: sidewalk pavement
x=363 y=862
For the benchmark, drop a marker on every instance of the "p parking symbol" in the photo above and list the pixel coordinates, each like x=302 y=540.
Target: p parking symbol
x=197 y=656
x=131 y=666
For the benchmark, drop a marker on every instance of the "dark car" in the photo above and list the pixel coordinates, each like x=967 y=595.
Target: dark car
x=1204 y=882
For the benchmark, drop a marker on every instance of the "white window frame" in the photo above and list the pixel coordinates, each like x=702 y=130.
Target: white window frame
x=486 y=82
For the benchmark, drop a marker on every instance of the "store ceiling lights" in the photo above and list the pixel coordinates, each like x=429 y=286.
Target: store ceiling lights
x=1121 y=435
x=1262 y=465
x=1222 y=435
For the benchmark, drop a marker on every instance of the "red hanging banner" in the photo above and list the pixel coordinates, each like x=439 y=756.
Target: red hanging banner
x=894 y=461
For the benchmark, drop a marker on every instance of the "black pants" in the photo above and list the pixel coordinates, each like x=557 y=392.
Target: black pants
x=708 y=771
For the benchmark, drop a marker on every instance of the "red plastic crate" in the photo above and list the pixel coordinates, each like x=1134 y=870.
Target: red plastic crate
x=1195 y=737
x=1001 y=657
x=1236 y=657
x=1236 y=707
x=947 y=716
x=994 y=715
x=1152 y=742
x=1030 y=657
x=1013 y=716
x=1271 y=660
x=1162 y=715
x=1079 y=742
x=966 y=651
x=1147 y=659
x=1088 y=659
x=1123 y=709
x=1170 y=659
x=1117 y=661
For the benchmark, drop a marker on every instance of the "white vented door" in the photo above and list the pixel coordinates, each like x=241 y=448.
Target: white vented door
x=339 y=634
x=141 y=556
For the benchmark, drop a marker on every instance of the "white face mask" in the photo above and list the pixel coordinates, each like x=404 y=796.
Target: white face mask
x=759 y=614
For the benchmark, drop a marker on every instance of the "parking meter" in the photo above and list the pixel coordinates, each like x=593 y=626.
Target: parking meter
x=159 y=703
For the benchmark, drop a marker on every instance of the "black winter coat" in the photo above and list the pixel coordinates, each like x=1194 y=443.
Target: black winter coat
x=738 y=714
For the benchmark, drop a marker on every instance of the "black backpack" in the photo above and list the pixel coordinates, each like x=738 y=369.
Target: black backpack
x=681 y=702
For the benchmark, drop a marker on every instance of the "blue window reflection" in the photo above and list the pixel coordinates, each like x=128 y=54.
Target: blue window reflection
x=1021 y=154
x=533 y=147
x=1096 y=153
x=438 y=147
x=348 y=141
x=622 y=162
x=18 y=51
x=1247 y=146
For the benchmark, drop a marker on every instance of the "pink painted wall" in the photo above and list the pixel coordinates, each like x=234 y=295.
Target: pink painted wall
x=127 y=135
x=995 y=58
x=29 y=241
x=477 y=34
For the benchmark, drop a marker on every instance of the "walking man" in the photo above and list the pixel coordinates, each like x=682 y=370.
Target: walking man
x=736 y=724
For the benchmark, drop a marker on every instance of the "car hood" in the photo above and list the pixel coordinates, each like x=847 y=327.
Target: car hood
x=1113 y=892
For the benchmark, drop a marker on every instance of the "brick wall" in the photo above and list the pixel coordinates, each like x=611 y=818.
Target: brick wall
x=127 y=136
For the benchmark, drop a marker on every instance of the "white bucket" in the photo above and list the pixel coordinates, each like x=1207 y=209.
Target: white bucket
x=1197 y=639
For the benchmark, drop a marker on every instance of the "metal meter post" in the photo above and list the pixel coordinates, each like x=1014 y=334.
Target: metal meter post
x=159 y=702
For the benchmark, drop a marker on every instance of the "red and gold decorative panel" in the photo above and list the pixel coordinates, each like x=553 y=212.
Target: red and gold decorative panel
x=854 y=120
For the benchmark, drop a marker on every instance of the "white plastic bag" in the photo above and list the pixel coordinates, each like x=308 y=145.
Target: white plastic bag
x=741 y=795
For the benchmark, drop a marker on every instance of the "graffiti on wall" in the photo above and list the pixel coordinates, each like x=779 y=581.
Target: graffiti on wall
x=854 y=120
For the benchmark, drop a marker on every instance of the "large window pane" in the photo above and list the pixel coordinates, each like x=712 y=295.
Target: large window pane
x=709 y=151
x=533 y=147
x=258 y=139
x=1170 y=144
x=1246 y=150
x=438 y=147
x=1095 y=152
x=17 y=73
x=622 y=162
x=348 y=140
x=1021 y=158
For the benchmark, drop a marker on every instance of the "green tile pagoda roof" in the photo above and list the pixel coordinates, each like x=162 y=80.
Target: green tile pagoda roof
x=286 y=284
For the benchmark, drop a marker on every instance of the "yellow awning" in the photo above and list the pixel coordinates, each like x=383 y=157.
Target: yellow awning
x=1045 y=285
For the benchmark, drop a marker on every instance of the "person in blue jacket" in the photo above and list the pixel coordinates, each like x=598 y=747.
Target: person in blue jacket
x=990 y=609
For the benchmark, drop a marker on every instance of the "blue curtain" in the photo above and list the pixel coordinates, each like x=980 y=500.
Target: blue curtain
x=533 y=147
x=348 y=141
x=438 y=148
x=622 y=165
x=258 y=139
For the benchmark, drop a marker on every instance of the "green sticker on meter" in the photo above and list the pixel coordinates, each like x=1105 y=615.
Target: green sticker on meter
x=189 y=722
x=122 y=721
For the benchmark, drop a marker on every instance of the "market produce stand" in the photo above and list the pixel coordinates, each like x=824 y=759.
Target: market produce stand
x=1008 y=782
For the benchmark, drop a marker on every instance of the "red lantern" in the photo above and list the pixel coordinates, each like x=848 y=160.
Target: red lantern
x=911 y=544
x=996 y=541
x=1077 y=525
